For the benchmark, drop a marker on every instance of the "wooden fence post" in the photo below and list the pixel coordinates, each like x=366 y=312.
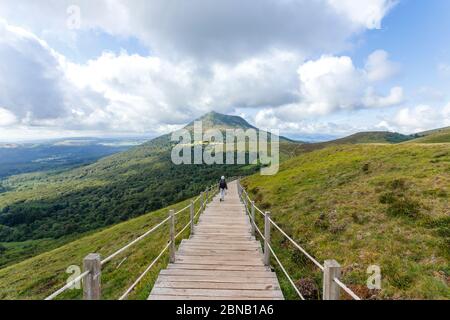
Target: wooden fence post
x=253 y=219
x=172 y=236
x=92 y=282
x=192 y=218
x=202 y=202
x=331 y=290
x=267 y=239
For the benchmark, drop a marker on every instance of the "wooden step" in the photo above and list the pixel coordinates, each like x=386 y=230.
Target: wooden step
x=221 y=261
x=262 y=294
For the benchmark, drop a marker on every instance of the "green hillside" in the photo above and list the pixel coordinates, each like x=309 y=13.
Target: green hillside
x=434 y=136
x=365 y=205
x=362 y=205
x=374 y=137
x=43 y=210
x=40 y=276
x=357 y=138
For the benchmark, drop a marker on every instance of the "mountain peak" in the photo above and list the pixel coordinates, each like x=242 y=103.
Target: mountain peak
x=215 y=120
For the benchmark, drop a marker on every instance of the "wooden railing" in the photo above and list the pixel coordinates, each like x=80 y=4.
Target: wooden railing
x=92 y=263
x=331 y=269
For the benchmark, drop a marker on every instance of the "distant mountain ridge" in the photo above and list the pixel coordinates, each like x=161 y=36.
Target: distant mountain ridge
x=441 y=135
x=221 y=121
x=374 y=137
x=111 y=190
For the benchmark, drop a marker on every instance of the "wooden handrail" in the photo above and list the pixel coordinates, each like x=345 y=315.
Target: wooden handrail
x=93 y=264
x=331 y=269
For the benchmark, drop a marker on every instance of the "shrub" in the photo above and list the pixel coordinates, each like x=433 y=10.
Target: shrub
x=357 y=218
x=387 y=198
x=365 y=168
x=398 y=184
x=266 y=205
x=322 y=222
x=404 y=207
x=299 y=257
x=308 y=288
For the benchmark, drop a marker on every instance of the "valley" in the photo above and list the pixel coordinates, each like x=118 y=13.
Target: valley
x=369 y=199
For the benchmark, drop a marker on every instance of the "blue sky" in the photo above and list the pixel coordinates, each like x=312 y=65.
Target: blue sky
x=416 y=33
x=309 y=68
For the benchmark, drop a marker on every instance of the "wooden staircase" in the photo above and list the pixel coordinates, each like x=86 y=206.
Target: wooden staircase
x=221 y=261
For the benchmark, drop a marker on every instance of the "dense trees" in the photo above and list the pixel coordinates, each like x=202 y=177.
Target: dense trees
x=131 y=191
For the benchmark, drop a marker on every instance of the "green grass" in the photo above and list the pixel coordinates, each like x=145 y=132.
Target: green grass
x=365 y=205
x=39 y=276
x=441 y=135
x=14 y=252
x=335 y=202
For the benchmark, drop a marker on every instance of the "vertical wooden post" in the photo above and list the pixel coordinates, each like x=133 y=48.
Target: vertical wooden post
x=172 y=236
x=92 y=282
x=253 y=219
x=192 y=218
x=267 y=239
x=331 y=290
x=202 y=202
x=245 y=205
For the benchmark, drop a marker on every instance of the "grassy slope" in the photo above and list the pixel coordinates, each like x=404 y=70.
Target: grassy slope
x=435 y=136
x=357 y=138
x=373 y=137
x=37 y=277
x=116 y=188
x=329 y=200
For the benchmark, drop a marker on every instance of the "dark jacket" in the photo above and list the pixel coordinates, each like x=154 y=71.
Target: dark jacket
x=223 y=184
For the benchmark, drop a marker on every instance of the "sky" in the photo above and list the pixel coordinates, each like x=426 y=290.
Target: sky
x=310 y=68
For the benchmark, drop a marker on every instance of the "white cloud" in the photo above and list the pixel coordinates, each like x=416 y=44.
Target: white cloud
x=227 y=30
x=379 y=68
x=419 y=118
x=131 y=92
x=269 y=118
x=373 y=100
x=219 y=55
x=30 y=77
x=334 y=83
x=146 y=91
x=7 y=118
x=368 y=13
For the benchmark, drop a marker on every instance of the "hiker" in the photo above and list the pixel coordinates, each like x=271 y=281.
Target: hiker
x=222 y=187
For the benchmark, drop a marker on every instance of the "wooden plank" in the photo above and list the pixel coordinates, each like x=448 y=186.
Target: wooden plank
x=252 y=274
x=234 y=255
x=220 y=293
x=171 y=297
x=218 y=246
x=220 y=236
x=249 y=243
x=214 y=260
x=211 y=252
x=215 y=279
x=215 y=286
x=216 y=267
